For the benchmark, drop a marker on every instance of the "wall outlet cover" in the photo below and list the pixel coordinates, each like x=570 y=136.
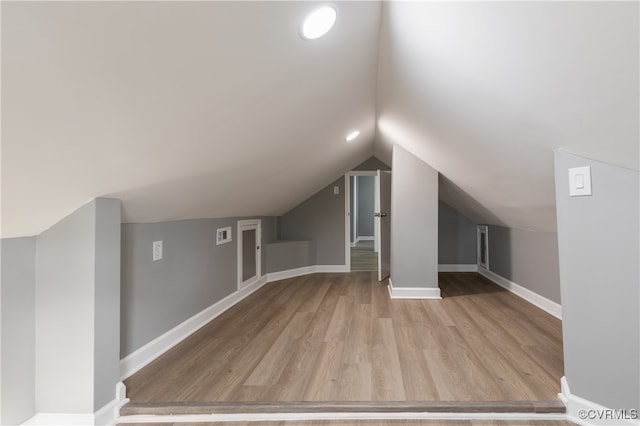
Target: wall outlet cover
x=157 y=250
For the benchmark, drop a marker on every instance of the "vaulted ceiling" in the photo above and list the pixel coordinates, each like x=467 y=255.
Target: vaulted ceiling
x=214 y=109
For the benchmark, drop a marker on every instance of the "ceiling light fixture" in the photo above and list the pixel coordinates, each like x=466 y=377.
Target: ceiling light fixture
x=318 y=23
x=351 y=136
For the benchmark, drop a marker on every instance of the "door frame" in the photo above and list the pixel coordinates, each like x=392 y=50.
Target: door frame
x=378 y=222
x=347 y=212
x=482 y=233
x=246 y=225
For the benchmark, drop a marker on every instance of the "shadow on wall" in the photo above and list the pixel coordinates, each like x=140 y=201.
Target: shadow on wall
x=456 y=197
x=450 y=285
x=500 y=251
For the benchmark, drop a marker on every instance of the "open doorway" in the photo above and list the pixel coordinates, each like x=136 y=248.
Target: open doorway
x=364 y=255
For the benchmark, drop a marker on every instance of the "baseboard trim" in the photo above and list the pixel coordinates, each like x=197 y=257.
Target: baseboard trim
x=290 y=273
x=577 y=408
x=152 y=350
x=55 y=419
x=108 y=415
x=364 y=238
x=105 y=416
x=541 y=302
x=331 y=269
x=458 y=268
x=413 y=292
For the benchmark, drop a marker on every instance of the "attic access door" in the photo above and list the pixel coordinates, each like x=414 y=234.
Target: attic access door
x=249 y=263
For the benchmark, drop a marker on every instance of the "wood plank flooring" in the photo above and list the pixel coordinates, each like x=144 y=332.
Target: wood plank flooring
x=339 y=337
x=363 y=258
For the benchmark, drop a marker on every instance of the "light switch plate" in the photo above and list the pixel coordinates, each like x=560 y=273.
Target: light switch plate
x=336 y=190
x=157 y=250
x=580 y=181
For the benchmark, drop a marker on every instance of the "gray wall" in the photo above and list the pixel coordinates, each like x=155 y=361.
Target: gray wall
x=18 y=329
x=371 y=164
x=77 y=306
x=107 y=301
x=366 y=200
x=414 y=221
x=456 y=237
x=285 y=255
x=319 y=219
x=598 y=239
x=528 y=258
x=193 y=274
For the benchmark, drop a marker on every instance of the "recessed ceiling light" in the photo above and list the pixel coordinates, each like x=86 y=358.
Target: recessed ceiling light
x=318 y=23
x=351 y=136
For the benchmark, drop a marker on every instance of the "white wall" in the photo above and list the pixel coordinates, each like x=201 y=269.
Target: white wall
x=484 y=91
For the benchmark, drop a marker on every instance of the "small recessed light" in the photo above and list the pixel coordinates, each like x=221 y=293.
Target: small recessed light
x=318 y=23
x=352 y=136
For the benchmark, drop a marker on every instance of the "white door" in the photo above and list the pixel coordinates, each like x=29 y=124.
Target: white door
x=383 y=223
x=249 y=258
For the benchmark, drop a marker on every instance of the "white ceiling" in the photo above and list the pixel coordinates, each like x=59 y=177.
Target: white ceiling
x=214 y=109
x=180 y=109
x=485 y=91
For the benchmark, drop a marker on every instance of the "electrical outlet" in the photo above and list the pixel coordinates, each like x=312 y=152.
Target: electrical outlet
x=157 y=250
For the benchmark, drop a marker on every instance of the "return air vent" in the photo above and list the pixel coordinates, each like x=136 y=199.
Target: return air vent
x=223 y=235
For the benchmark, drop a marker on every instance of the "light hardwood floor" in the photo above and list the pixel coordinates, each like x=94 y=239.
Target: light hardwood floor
x=339 y=337
x=363 y=258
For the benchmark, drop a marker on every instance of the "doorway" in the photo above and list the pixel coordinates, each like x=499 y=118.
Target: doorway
x=249 y=259
x=367 y=208
x=362 y=236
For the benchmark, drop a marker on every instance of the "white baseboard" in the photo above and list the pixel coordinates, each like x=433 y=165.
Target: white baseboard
x=588 y=413
x=106 y=416
x=413 y=292
x=290 y=273
x=364 y=238
x=55 y=419
x=534 y=298
x=458 y=268
x=152 y=350
x=305 y=270
x=326 y=269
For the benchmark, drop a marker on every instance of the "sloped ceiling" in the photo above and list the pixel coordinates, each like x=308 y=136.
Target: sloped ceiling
x=485 y=91
x=180 y=109
x=214 y=109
